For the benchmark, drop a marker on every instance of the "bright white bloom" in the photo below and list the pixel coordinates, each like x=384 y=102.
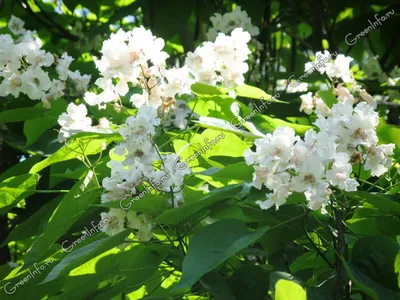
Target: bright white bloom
x=229 y=21
x=16 y=25
x=292 y=86
x=284 y=163
x=221 y=62
x=378 y=159
x=115 y=221
x=141 y=170
x=25 y=67
x=307 y=103
x=340 y=173
x=75 y=120
x=339 y=68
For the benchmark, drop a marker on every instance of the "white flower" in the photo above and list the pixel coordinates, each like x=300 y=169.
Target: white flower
x=16 y=25
x=307 y=103
x=229 y=21
x=277 y=198
x=63 y=64
x=142 y=224
x=339 y=175
x=221 y=62
x=378 y=159
x=73 y=121
x=340 y=68
x=115 y=221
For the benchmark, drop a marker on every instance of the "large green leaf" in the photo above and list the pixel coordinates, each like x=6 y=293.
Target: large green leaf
x=201 y=89
x=218 y=286
x=289 y=290
x=268 y=124
x=33 y=129
x=77 y=257
x=14 y=189
x=70 y=209
x=171 y=12
x=250 y=282
x=253 y=92
x=35 y=224
x=87 y=144
x=129 y=268
x=174 y=215
x=213 y=245
x=21 y=114
x=375 y=255
x=22 y=167
x=379 y=202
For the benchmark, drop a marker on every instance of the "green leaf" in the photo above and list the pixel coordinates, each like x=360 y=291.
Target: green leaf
x=87 y=144
x=367 y=285
x=174 y=215
x=77 y=257
x=21 y=114
x=389 y=134
x=380 y=202
x=171 y=12
x=375 y=255
x=243 y=213
x=21 y=167
x=201 y=89
x=223 y=125
x=231 y=174
x=218 y=286
x=250 y=282
x=328 y=97
x=289 y=290
x=268 y=124
x=287 y=226
x=253 y=92
x=213 y=245
x=70 y=209
x=14 y=189
x=35 y=224
x=33 y=129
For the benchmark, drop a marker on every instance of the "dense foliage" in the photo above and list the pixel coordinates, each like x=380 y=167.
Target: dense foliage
x=199 y=149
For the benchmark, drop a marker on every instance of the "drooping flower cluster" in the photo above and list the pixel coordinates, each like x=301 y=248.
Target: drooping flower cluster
x=222 y=62
x=75 y=120
x=141 y=165
x=229 y=21
x=137 y=58
x=310 y=102
x=23 y=67
x=334 y=68
x=285 y=163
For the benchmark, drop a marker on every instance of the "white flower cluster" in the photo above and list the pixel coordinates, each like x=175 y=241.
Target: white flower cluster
x=229 y=21
x=22 y=63
x=285 y=163
x=221 y=62
x=75 y=120
x=310 y=102
x=338 y=68
x=137 y=58
x=141 y=164
x=290 y=87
